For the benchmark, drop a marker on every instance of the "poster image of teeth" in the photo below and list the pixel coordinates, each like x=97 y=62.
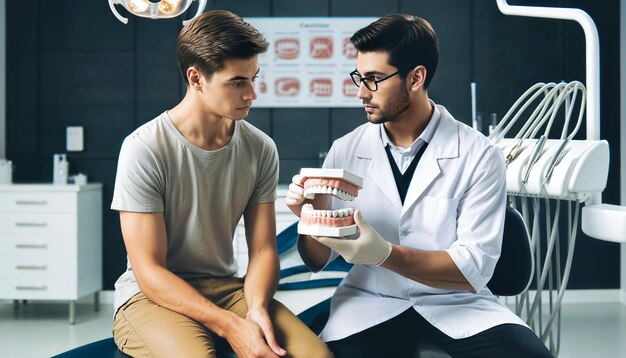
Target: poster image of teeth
x=308 y=61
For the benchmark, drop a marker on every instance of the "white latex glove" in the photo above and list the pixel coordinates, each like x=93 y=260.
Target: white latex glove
x=295 y=196
x=367 y=249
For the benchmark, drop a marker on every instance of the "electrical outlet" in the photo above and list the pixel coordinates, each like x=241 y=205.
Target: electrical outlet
x=74 y=139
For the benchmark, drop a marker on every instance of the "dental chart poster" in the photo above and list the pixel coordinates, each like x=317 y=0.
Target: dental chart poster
x=308 y=61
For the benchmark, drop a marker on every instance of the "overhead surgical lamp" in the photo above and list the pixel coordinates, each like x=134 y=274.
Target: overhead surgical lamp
x=155 y=9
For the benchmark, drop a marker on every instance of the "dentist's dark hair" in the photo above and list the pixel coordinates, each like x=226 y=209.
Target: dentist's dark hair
x=409 y=40
x=214 y=37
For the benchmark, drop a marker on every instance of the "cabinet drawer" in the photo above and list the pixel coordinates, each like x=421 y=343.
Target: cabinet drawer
x=38 y=202
x=34 y=245
x=37 y=224
x=32 y=289
x=37 y=267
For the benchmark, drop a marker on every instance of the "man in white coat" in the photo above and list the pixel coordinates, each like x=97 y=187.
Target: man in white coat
x=430 y=215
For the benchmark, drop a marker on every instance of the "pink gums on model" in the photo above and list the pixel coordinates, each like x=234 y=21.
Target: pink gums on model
x=330 y=218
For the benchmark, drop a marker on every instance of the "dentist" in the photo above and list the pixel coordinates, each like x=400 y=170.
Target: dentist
x=430 y=215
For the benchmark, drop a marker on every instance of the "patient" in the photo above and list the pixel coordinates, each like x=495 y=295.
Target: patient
x=184 y=180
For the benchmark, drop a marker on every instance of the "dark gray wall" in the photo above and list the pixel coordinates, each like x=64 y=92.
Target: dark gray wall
x=70 y=62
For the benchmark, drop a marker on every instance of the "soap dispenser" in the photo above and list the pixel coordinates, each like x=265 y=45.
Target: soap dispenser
x=60 y=167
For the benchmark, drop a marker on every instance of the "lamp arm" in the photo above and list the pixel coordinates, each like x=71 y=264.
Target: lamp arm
x=117 y=14
x=201 y=6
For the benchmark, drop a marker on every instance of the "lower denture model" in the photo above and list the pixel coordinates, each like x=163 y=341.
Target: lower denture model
x=339 y=183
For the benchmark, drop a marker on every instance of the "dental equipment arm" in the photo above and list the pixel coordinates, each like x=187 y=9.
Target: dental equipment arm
x=598 y=220
x=592 y=45
x=592 y=65
x=145 y=239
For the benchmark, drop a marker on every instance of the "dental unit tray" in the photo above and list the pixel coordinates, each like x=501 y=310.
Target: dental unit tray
x=329 y=173
x=558 y=169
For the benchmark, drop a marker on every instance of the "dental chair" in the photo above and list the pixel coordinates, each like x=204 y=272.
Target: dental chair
x=513 y=271
x=511 y=277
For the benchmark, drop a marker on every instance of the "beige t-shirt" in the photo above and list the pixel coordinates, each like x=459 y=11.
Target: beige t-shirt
x=202 y=194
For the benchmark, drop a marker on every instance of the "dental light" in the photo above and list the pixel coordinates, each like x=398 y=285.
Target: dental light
x=155 y=9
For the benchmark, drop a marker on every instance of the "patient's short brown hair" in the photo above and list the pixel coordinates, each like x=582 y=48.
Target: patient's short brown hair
x=214 y=37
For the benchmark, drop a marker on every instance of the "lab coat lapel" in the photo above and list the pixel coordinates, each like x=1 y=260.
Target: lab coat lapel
x=443 y=145
x=379 y=170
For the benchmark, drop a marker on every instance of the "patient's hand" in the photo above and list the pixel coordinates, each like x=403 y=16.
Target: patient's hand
x=261 y=317
x=248 y=340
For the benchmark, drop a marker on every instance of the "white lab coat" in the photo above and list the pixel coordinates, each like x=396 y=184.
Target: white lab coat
x=455 y=202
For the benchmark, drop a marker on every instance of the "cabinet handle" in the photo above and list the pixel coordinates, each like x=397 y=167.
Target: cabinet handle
x=31 y=288
x=31 y=224
x=31 y=202
x=31 y=267
x=31 y=246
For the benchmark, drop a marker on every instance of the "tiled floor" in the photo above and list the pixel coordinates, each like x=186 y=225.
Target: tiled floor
x=41 y=329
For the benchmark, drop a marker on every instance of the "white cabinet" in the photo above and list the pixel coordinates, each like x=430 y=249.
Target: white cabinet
x=50 y=242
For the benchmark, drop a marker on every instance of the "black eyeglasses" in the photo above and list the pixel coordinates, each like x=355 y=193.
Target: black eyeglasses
x=370 y=83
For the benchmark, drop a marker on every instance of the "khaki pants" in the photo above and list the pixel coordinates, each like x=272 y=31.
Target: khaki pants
x=144 y=329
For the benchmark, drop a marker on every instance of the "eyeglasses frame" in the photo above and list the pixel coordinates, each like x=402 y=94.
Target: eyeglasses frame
x=366 y=79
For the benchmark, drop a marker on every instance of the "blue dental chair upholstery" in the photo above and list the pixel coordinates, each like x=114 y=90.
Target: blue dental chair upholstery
x=511 y=277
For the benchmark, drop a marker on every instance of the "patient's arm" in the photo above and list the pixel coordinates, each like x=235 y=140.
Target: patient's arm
x=146 y=243
x=314 y=254
x=262 y=274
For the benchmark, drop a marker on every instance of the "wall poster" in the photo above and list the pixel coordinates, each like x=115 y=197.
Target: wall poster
x=308 y=61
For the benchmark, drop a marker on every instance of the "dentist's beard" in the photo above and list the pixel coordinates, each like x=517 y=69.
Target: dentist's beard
x=397 y=105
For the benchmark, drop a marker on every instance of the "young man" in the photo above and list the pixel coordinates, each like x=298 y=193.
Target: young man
x=184 y=180
x=434 y=195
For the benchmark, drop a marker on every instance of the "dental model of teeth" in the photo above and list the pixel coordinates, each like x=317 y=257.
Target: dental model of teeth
x=339 y=183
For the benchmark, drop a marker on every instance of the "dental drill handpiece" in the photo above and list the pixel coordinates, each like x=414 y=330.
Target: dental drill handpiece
x=556 y=159
x=513 y=153
x=533 y=157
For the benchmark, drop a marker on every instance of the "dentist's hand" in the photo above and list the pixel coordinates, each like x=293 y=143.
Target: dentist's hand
x=295 y=196
x=368 y=249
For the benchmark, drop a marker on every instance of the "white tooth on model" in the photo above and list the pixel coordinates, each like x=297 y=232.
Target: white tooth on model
x=335 y=191
x=308 y=193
